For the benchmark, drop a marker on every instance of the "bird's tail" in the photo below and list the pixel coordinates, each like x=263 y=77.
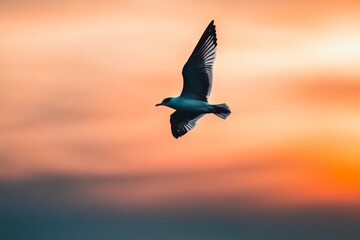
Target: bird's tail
x=221 y=110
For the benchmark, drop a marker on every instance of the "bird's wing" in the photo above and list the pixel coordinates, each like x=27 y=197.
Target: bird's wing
x=182 y=122
x=197 y=71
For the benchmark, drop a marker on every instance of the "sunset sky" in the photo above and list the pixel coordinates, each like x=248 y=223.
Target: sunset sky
x=79 y=130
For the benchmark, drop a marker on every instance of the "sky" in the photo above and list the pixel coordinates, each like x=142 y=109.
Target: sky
x=83 y=147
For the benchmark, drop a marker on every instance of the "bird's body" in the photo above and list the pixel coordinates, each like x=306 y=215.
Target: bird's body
x=192 y=103
x=189 y=105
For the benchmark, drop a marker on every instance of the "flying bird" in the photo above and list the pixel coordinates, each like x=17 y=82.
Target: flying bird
x=197 y=73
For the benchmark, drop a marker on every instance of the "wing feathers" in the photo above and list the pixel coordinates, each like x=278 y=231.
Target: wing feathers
x=182 y=122
x=197 y=72
x=206 y=45
x=210 y=30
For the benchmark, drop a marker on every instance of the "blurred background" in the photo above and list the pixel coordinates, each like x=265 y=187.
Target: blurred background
x=84 y=154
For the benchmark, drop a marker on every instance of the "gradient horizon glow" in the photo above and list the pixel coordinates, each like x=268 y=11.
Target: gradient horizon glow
x=79 y=130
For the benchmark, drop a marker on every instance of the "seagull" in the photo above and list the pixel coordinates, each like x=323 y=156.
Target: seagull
x=192 y=103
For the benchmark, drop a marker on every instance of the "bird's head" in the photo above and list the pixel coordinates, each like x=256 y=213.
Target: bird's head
x=165 y=102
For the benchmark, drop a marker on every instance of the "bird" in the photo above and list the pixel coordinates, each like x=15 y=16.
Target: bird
x=192 y=104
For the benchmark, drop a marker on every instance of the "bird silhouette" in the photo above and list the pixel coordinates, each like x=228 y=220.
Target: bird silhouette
x=197 y=73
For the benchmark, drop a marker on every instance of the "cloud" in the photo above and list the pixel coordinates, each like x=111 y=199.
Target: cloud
x=64 y=190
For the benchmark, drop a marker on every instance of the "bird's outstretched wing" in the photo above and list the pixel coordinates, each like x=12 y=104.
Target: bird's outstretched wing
x=197 y=71
x=182 y=122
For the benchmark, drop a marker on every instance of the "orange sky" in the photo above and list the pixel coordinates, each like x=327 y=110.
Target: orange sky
x=78 y=84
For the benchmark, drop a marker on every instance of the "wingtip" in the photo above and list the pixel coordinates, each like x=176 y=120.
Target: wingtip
x=211 y=27
x=176 y=136
x=175 y=133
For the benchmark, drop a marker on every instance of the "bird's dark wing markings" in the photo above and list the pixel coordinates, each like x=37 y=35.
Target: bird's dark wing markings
x=182 y=122
x=197 y=71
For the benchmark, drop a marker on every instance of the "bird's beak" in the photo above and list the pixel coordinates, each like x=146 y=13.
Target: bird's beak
x=159 y=104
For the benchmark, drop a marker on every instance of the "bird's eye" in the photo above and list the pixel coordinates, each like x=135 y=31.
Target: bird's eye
x=166 y=100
